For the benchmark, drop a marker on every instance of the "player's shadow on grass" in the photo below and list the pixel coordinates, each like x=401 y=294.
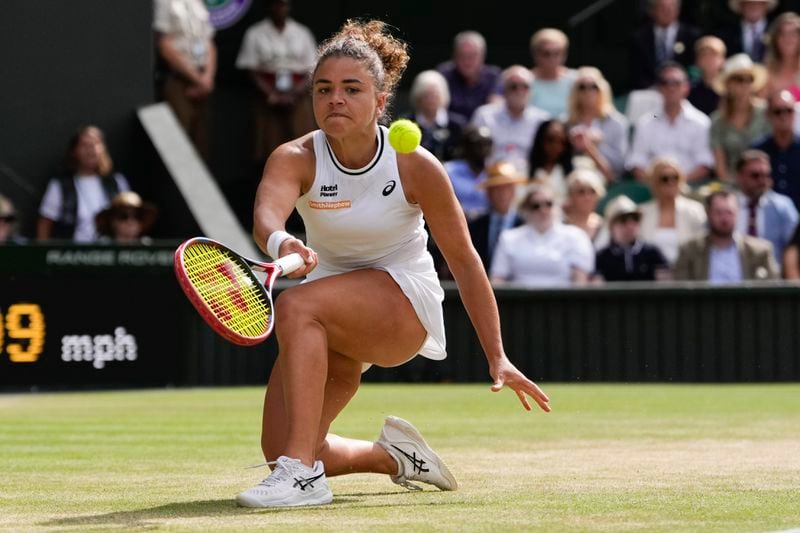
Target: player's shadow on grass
x=226 y=507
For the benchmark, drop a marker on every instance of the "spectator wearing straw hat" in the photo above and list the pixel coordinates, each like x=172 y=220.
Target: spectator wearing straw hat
x=8 y=219
x=628 y=257
x=501 y=188
x=742 y=117
x=748 y=34
x=127 y=220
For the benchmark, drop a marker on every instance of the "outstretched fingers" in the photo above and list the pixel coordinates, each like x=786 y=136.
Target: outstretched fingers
x=523 y=387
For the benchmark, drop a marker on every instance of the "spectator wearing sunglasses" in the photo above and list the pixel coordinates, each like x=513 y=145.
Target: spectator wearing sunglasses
x=723 y=255
x=543 y=252
x=513 y=121
x=677 y=130
x=8 y=221
x=763 y=212
x=596 y=129
x=127 y=220
x=741 y=118
x=783 y=145
x=552 y=81
x=584 y=190
x=670 y=219
x=627 y=257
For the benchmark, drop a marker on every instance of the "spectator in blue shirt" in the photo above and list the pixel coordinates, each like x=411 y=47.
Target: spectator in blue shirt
x=783 y=146
x=468 y=170
x=763 y=212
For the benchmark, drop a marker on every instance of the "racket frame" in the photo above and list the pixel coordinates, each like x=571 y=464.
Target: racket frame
x=284 y=265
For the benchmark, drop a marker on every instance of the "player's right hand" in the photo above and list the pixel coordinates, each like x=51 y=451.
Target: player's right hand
x=294 y=245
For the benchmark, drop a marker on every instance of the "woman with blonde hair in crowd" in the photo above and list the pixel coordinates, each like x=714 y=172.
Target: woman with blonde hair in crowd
x=543 y=252
x=584 y=190
x=741 y=118
x=783 y=54
x=596 y=129
x=670 y=219
x=552 y=80
x=72 y=201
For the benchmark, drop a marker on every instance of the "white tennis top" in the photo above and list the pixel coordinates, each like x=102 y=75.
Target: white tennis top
x=360 y=218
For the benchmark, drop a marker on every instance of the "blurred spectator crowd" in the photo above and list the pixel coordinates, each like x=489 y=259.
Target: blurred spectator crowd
x=695 y=174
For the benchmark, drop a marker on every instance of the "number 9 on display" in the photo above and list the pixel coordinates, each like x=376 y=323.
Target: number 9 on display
x=22 y=332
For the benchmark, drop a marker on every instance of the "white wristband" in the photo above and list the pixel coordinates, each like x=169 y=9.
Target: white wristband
x=274 y=242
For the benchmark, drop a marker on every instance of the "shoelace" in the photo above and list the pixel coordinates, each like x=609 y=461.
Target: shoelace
x=278 y=474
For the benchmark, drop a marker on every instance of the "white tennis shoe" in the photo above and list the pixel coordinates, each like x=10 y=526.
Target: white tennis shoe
x=415 y=459
x=291 y=484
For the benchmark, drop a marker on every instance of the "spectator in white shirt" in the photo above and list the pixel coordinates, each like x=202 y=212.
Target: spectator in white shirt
x=72 y=200
x=678 y=131
x=543 y=252
x=279 y=53
x=184 y=39
x=512 y=122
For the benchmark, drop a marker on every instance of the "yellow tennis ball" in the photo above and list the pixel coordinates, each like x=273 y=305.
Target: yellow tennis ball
x=404 y=136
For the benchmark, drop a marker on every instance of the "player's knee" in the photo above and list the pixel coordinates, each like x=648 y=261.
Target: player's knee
x=286 y=304
x=292 y=309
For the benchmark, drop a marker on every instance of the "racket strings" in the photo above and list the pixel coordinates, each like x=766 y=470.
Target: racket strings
x=232 y=293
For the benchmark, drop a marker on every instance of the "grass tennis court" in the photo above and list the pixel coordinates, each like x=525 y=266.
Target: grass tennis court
x=609 y=457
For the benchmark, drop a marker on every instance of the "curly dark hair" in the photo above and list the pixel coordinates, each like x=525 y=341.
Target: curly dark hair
x=370 y=42
x=537 y=157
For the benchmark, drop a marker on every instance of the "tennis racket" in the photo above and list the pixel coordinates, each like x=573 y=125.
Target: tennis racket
x=223 y=288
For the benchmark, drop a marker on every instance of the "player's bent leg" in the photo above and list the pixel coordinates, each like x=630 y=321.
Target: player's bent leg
x=346 y=314
x=362 y=315
x=273 y=420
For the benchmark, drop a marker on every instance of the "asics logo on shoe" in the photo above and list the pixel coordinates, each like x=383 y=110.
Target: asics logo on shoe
x=418 y=464
x=302 y=483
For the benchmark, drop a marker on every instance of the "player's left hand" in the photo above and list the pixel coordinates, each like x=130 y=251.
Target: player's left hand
x=504 y=373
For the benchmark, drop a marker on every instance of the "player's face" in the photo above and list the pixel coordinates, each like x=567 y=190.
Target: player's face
x=345 y=98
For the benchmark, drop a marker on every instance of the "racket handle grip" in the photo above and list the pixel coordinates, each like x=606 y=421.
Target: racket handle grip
x=290 y=263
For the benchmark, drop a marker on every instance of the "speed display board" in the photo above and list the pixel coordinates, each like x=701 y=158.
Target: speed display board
x=89 y=317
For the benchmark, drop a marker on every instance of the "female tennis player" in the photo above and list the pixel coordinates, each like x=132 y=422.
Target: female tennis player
x=371 y=294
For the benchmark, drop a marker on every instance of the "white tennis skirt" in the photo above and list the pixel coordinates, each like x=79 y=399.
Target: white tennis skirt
x=418 y=280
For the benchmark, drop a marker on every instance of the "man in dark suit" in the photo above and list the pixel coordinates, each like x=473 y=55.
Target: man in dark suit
x=664 y=38
x=501 y=188
x=748 y=34
x=723 y=255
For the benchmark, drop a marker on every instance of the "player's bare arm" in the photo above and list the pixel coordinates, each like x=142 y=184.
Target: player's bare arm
x=426 y=183
x=288 y=174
